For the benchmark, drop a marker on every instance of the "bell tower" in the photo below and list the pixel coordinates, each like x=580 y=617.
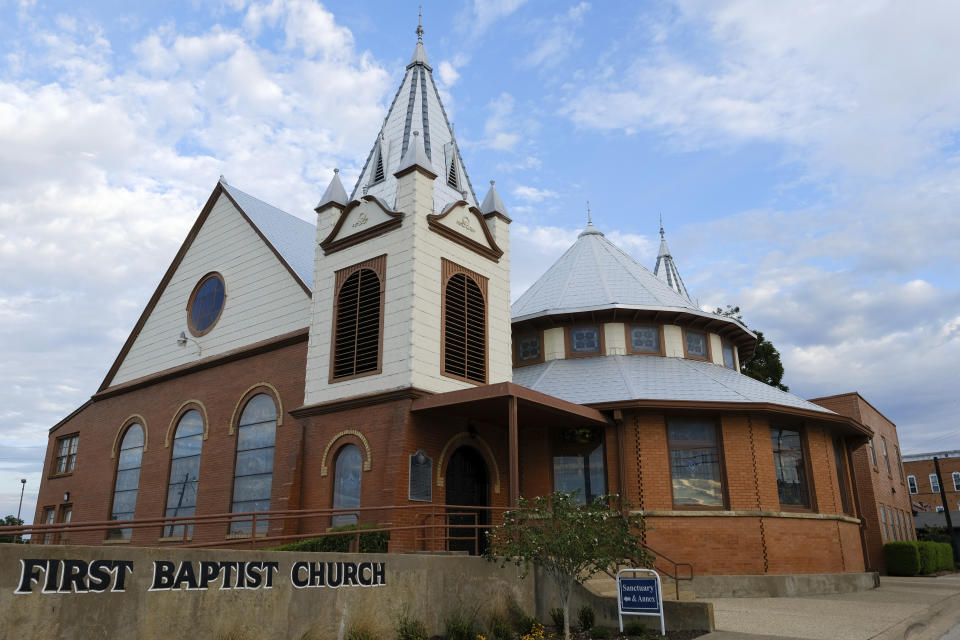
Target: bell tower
x=411 y=277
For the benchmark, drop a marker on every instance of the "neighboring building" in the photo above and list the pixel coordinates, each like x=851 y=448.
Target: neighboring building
x=374 y=364
x=922 y=480
x=880 y=477
x=937 y=519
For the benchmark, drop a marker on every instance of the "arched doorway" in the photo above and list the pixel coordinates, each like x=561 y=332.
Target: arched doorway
x=468 y=484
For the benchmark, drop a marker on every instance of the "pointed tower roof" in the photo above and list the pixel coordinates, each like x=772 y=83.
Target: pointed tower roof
x=335 y=192
x=416 y=108
x=492 y=203
x=666 y=268
x=595 y=274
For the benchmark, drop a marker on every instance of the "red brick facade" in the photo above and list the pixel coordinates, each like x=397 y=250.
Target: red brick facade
x=751 y=534
x=880 y=479
x=925 y=498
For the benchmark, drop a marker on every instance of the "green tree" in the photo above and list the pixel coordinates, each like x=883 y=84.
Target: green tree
x=10 y=521
x=570 y=541
x=764 y=365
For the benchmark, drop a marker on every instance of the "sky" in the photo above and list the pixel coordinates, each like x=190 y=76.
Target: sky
x=804 y=157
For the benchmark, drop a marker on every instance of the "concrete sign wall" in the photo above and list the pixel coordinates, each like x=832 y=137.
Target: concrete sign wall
x=110 y=592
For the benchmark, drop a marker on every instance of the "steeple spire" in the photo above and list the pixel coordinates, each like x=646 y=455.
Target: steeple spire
x=666 y=269
x=416 y=108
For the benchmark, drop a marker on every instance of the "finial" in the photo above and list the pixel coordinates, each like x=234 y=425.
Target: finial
x=491 y=183
x=335 y=171
x=222 y=179
x=589 y=218
x=661 y=226
x=420 y=26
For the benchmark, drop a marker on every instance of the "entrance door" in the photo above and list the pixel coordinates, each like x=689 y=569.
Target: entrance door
x=467 y=484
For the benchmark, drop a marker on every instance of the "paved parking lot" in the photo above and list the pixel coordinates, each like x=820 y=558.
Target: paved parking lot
x=900 y=608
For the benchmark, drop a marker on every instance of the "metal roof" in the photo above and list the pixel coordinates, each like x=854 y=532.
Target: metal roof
x=293 y=238
x=605 y=379
x=596 y=274
x=415 y=108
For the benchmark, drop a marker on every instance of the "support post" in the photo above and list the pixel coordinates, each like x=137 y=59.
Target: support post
x=514 y=450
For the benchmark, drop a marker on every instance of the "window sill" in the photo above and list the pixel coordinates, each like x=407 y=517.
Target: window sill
x=750 y=513
x=54 y=476
x=116 y=542
x=243 y=536
x=175 y=539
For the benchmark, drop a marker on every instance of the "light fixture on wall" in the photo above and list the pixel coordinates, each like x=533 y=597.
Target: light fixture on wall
x=66 y=496
x=183 y=338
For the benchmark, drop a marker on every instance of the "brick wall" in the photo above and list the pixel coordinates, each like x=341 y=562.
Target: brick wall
x=922 y=469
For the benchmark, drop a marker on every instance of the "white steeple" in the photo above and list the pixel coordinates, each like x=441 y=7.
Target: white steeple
x=666 y=269
x=416 y=110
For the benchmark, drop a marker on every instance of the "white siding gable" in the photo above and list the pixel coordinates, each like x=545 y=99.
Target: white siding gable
x=364 y=216
x=465 y=223
x=263 y=299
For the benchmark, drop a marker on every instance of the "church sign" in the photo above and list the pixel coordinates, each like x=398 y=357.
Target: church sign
x=51 y=575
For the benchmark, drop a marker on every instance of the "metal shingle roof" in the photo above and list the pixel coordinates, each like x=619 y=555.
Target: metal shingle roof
x=621 y=378
x=595 y=274
x=292 y=237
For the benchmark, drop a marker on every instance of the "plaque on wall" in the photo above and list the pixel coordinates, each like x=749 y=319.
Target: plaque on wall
x=421 y=472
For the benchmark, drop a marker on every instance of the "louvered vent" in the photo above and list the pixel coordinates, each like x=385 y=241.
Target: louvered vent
x=452 y=174
x=465 y=335
x=357 y=343
x=378 y=171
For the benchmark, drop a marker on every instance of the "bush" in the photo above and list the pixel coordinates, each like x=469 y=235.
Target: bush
x=410 y=628
x=634 y=628
x=499 y=626
x=601 y=633
x=928 y=557
x=375 y=542
x=361 y=632
x=585 y=617
x=944 y=556
x=556 y=614
x=519 y=620
x=461 y=625
x=902 y=558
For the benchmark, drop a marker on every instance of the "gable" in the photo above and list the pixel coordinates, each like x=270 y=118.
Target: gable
x=466 y=226
x=361 y=220
x=263 y=296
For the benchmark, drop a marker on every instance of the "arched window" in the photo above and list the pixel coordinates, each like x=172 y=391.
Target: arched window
x=464 y=326
x=346 y=484
x=184 y=471
x=127 y=481
x=253 y=473
x=356 y=344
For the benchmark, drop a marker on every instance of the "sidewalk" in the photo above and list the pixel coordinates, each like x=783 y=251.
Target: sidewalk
x=900 y=608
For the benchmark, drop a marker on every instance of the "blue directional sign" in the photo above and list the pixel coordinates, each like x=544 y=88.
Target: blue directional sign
x=639 y=595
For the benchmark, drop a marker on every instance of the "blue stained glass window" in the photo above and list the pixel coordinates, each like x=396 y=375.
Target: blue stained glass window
x=346 y=484
x=253 y=473
x=207 y=303
x=127 y=480
x=184 y=471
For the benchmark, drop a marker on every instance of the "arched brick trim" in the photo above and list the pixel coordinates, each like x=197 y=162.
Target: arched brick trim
x=477 y=443
x=182 y=409
x=123 y=428
x=367 y=461
x=260 y=387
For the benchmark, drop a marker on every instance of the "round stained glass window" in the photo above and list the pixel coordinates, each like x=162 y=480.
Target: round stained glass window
x=206 y=304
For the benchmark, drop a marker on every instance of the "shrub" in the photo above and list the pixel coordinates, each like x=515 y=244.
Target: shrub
x=601 y=633
x=585 y=617
x=902 y=558
x=634 y=628
x=361 y=632
x=928 y=557
x=410 y=628
x=375 y=542
x=944 y=556
x=519 y=620
x=556 y=615
x=461 y=625
x=499 y=626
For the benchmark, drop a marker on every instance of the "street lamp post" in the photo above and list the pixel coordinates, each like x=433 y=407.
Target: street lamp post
x=23 y=485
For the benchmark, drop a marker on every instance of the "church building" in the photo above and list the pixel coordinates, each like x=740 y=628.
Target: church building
x=373 y=364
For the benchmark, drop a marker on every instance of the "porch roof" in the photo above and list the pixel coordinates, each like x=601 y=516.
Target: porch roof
x=491 y=403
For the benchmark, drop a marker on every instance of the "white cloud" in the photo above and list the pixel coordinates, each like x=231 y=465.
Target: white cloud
x=559 y=37
x=484 y=13
x=532 y=194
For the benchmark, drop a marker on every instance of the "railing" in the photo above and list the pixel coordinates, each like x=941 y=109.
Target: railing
x=672 y=570
x=433 y=527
